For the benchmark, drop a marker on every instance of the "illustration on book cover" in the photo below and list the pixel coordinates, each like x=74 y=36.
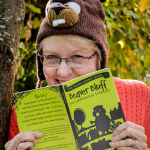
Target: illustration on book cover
x=95 y=111
x=94 y=137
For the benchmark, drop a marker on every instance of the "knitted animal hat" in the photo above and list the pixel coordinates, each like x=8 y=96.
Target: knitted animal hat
x=78 y=17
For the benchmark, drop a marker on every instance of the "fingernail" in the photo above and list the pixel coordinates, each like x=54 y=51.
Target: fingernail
x=112 y=139
x=111 y=144
x=40 y=134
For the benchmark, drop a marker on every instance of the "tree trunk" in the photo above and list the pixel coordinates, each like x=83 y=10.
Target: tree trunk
x=11 y=23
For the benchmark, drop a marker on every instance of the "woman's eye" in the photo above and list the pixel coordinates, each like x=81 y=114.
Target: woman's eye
x=51 y=57
x=77 y=56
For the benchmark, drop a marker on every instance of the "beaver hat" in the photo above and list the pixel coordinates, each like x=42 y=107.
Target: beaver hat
x=79 y=17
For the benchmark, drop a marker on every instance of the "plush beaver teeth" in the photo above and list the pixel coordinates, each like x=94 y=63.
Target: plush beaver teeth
x=58 y=21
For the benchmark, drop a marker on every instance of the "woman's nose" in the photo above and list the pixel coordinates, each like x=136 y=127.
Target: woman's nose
x=63 y=69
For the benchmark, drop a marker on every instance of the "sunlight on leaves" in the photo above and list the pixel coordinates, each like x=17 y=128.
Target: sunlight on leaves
x=144 y=4
x=34 y=9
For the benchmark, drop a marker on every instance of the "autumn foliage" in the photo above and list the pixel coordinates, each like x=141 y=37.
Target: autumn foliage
x=127 y=23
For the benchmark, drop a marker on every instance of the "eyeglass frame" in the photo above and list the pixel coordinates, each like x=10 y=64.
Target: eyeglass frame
x=60 y=58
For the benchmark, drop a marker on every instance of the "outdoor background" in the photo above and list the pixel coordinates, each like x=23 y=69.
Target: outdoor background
x=128 y=31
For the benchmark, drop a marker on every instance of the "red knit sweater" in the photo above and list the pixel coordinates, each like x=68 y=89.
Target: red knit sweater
x=135 y=99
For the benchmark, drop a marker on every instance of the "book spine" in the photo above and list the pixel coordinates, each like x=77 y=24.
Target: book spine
x=69 y=115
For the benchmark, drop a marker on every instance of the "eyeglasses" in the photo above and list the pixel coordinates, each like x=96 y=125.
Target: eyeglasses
x=75 y=61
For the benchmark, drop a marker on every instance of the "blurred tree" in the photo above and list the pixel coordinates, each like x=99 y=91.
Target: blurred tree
x=128 y=37
x=11 y=23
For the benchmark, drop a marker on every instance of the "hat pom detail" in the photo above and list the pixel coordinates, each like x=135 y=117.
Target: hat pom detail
x=62 y=15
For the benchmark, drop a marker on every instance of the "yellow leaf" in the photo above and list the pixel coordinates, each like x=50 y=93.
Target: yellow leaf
x=144 y=4
x=128 y=6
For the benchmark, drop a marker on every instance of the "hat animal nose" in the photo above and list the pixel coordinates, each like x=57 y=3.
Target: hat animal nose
x=58 y=9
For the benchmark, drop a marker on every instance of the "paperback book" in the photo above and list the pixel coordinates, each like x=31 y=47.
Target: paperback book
x=80 y=114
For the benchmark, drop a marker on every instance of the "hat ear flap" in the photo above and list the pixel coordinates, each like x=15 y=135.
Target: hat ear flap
x=102 y=1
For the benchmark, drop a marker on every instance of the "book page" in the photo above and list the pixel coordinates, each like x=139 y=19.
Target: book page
x=95 y=109
x=43 y=110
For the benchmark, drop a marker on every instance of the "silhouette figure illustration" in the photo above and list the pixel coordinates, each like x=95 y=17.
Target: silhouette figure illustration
x=79 y=118
x=102 y=121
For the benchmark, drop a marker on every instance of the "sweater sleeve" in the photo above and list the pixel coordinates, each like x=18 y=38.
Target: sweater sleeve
x=135 y=100
x=147 y=115
x=13 y=125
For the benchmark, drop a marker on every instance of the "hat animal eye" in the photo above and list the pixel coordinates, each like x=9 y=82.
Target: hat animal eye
x=73 y=6
x=55 y=4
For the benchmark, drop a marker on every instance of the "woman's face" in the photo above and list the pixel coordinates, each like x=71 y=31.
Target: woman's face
x=63 y=72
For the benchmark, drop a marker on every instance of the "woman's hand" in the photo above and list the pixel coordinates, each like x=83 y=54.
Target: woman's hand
x=129 y=136
x=23 y=141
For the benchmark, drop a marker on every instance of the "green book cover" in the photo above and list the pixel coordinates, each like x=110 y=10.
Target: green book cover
x=79 y=114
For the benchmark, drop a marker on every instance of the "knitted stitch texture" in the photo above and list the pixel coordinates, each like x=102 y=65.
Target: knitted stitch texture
x=135 y=100
x=13 y=125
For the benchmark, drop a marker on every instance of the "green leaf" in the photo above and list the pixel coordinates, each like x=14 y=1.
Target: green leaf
x=119 y=29
x=131 y=34
x=34 y=9
x=140 y=51
x=130 y=43
x=130 y=12
x=23 y=33
x=136 y=74
x=110 y=42
x=36 y=23
x=110 y=13
x=117 y=48
x=117 y=37
x=115 y=73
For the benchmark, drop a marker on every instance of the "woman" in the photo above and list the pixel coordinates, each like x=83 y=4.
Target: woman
x=72 y=42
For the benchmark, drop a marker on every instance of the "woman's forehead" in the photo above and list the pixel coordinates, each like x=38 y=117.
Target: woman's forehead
x=61 y=50
x=67 y=43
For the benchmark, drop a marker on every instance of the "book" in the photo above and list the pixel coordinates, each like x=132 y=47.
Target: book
x=80 y=114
